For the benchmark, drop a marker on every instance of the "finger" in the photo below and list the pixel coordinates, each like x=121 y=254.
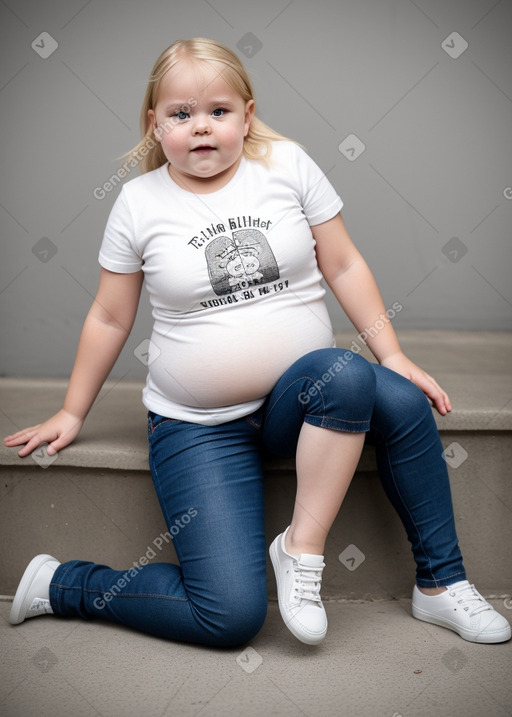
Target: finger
x=442 y=402
x=34 y=443
x=434 y=393
x=21 y=436
x=55 y=446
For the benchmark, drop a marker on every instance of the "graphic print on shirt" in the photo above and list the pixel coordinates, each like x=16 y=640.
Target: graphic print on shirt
x=240 y=261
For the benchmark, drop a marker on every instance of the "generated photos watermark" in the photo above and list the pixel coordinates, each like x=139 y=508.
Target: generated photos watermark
x=158 y=543
x=135 y=159
x=344 y=358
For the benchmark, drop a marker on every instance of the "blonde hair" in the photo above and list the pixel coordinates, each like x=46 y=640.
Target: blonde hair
x=257 y=144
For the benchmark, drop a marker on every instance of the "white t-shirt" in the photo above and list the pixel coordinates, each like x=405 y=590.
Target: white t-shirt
x=232 y=278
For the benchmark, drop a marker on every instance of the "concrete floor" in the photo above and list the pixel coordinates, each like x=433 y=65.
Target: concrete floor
x=377 y=661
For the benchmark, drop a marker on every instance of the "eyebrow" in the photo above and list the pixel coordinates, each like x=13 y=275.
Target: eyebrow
x=176 y=106
x=216 y=102
x=221 y=101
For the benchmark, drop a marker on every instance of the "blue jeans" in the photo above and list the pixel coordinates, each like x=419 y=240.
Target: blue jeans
x=209 y=482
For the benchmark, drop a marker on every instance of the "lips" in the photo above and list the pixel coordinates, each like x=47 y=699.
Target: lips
x=203 y=149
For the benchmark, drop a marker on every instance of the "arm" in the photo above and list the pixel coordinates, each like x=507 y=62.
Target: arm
x=354 y=286
x=105 y=331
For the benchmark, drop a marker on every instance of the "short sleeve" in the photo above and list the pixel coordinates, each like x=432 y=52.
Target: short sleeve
x=319 y=199
x=118 y=251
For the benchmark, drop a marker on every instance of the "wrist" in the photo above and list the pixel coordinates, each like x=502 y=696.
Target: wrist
x=74 y=414
x=391 y=356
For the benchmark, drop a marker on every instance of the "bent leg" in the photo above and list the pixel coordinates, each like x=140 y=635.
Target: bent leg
x=415 y=478
x=217 y=595
x=319 y=411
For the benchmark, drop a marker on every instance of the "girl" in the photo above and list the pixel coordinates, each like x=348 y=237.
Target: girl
x=233 y=226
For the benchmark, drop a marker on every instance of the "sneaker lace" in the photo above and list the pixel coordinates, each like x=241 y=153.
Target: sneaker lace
x=469 y=595
x=307 y=582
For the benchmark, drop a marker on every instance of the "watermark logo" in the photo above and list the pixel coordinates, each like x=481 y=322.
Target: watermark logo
x=454 y=660
x=249 y=44
x=454 y=249
x=455 y=455
x=45 y=45
x=454 y=45
x=351 y=147
x=45 y=659
x=249 y=660
x=41 y=457
x=44 y=249
x=147 y=352
x=352 y=557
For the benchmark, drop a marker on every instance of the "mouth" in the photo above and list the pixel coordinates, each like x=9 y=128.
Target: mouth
x=203 y=149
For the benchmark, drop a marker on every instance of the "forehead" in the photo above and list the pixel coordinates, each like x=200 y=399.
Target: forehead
x=199 y=79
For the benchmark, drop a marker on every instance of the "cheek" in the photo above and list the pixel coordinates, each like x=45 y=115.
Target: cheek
x=234 y=139
x=171 y=141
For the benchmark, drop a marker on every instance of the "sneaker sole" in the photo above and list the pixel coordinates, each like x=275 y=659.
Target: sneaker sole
x=499 y=636
x=312 y=639
x=18 y=605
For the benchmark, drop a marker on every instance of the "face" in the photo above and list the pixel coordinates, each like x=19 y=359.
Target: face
x=243 y=266
x=201 y=123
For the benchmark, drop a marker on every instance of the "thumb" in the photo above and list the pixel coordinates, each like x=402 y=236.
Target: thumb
x=64 y=439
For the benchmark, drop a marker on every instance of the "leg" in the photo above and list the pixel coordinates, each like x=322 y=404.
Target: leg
x=415 y=478
x=319 y=411
x=217 y=595
x=326 y=461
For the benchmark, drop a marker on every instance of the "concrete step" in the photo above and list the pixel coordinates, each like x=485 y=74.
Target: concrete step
x=95 y=501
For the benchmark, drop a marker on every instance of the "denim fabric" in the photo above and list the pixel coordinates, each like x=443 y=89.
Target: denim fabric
x=209 y=482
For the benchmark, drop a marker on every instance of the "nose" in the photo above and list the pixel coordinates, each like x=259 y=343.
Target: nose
x=202 y=125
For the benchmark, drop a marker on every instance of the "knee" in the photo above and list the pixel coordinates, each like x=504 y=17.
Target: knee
x=400 y=402
x=411 y=399
x=238 y=622
x=356 y=370
x=339 y=376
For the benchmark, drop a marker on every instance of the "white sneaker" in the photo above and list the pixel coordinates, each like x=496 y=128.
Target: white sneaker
x=462 y=609
x=33 y=594
x=298 y=591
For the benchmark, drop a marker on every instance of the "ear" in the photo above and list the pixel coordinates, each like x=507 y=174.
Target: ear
x=249 y=114
x=153 y=124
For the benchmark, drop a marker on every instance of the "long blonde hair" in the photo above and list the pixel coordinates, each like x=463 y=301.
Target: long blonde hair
x=148 y=152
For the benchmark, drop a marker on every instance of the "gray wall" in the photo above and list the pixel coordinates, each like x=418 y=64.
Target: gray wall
x=428 y=201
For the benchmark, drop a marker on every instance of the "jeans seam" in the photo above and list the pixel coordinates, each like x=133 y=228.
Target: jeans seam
x=340 y=420
x=288 y=388
x=120 y=595
x=165 y=420
x=156 y=479
x=323 y=417
x=446 y=577
x=252 y=423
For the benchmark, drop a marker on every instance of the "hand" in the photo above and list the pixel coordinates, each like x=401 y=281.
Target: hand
x=405 y=367
x=58 y=431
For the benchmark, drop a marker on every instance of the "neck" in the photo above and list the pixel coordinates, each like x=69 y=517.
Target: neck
x=206 y=185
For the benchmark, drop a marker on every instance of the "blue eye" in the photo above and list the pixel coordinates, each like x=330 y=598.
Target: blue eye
x=218 y=112
x=181 y=115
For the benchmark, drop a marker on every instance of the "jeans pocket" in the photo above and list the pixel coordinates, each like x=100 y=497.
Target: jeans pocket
x=155 y=420
x=255 y=419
